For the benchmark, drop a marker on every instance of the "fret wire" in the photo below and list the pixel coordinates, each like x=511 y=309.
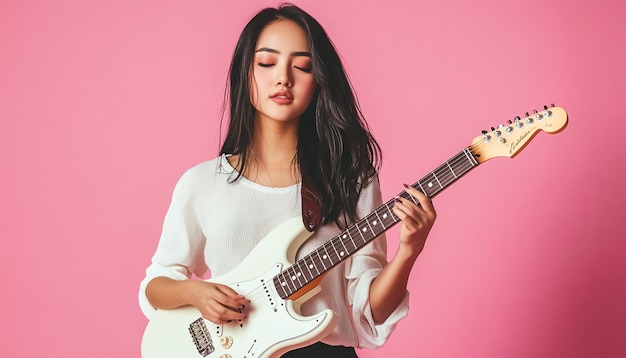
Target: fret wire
x=391 y=214
x=308 y=267
x=361 y=232
x=410 y=197
x=429 y=183
x=295 y=275
x=469 y=156
x=277 y=280
x=321 y=260
x=344 y=240
x=345 y=250
x=382 y=214
x=421 y=187
x=285 y=284
x=372 y=231
x=451 y=170
x=316 y=263
x=328 y=257
x=443 y=176
x=379 y=220
x=347 y=233
x=435 y=175
x=332 y=243
x=290 y=285
x=355 y=230
x=457 y=162
x=301 y=273
x=332 y=254
x=359 y=229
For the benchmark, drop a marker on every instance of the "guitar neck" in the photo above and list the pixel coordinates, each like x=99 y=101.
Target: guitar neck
x=310 y=267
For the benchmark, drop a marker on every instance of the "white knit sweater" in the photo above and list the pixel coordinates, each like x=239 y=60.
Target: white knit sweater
x=213 y=224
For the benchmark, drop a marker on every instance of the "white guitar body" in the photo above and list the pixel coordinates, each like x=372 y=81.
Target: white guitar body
x=274 y=326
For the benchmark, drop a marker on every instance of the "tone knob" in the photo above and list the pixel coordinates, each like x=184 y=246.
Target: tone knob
x=226 y=341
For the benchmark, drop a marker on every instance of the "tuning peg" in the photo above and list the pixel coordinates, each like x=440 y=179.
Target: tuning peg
x=486 y=136
x=546 y=111
x=518 y=122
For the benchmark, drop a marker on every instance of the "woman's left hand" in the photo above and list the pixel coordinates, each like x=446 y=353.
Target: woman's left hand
x=388 y=288
x=417 y=220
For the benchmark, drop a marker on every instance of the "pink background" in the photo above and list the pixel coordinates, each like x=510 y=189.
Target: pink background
x=105 y=103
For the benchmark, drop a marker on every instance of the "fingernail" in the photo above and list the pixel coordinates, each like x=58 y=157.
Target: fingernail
x=397 y=199
x=406 y=186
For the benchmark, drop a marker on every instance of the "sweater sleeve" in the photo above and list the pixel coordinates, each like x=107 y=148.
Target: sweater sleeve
x=361 y=271
x=179 y=253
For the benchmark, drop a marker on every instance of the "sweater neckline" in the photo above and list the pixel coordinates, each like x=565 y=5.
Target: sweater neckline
x=227 y=168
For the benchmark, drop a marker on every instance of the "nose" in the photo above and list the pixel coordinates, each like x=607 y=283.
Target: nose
x=283 y=76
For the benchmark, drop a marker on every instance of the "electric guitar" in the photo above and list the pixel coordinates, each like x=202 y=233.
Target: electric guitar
x=277 y=286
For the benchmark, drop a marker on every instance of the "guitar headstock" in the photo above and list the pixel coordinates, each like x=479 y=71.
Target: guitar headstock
x=508 y=140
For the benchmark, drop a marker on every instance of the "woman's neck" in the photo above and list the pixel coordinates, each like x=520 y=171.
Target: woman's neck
x=272 y=156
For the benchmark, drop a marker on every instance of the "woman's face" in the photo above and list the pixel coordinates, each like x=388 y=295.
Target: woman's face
x=282 y=83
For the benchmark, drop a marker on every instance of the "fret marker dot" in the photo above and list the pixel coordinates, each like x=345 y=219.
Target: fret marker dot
x=293 y=277
x=341 y=253
x=375 y=222
x=430 y=185
x=283 y=283
x=325 y=257
x=344 y=236
x=364 y=229
x=384 y=216
x=311 y=266
x=299 y=274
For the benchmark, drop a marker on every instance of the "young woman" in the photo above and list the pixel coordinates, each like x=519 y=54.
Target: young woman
x=295 y=131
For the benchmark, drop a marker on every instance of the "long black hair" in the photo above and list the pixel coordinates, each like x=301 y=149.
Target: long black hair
x=336 y=151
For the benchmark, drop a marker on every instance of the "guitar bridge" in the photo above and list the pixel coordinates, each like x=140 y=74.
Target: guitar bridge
x=201 y=337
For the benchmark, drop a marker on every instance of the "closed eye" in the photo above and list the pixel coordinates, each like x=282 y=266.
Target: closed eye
x=265 y=64
x=304 y=69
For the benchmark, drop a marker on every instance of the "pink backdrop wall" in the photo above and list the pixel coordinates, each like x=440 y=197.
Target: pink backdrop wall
x=105 y=103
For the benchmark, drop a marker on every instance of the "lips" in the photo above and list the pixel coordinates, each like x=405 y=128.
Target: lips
x=282 y=97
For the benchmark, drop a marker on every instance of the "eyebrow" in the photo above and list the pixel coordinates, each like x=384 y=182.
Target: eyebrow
x=271 y=50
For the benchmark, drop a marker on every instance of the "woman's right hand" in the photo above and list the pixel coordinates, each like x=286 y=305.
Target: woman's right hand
x=218 y=303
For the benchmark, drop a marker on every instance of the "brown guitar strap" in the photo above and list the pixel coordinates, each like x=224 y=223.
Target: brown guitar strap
x=311 y=210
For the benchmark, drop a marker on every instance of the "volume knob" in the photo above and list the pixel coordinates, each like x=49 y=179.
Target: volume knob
x=226 y=341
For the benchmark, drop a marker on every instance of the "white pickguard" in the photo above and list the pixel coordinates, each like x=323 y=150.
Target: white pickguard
x=274 y=326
